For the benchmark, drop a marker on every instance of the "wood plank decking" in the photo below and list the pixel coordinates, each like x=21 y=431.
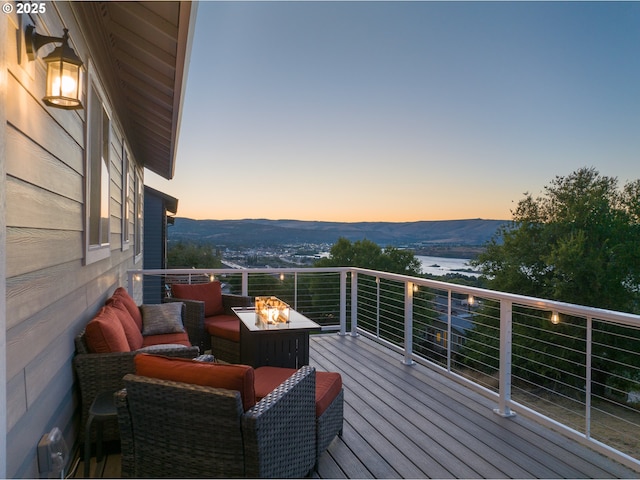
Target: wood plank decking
x=412 y=422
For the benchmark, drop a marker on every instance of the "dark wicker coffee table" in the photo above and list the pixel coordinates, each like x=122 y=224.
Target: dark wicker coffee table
x=277 y=345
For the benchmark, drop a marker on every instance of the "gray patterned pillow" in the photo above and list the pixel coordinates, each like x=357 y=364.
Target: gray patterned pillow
x=162 y=318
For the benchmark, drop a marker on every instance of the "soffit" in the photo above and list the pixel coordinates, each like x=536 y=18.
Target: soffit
x=141 y=50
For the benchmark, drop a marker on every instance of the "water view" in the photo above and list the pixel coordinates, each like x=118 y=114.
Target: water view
x=442 y=266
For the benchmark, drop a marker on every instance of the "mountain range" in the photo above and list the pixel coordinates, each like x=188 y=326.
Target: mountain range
x=263 y=232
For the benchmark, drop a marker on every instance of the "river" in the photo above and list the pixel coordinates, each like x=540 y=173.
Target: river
x=442 y=265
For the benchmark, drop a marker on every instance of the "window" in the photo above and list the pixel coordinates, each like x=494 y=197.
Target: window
x=139 y=194
x=126 y=198
x=98 y=181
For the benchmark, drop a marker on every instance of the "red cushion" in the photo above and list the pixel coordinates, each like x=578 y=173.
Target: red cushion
x=328 y=385
x=181 y=338
x=131 y=330
x=209 y=293
x=129 y=303
x=104 y=333
x=224 y=326
x=230 y=377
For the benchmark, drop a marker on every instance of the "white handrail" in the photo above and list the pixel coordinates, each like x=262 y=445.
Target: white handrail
x=352 y=279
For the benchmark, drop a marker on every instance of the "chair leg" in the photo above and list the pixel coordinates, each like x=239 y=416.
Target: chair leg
x=99 y=430
x=87 y=447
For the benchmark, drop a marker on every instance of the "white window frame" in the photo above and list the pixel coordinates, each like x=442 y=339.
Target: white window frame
x=126 y=198
x=138 y=214
x=97 y=251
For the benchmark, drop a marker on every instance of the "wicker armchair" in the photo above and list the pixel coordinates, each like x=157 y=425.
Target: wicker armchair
x=222 y=348
x=99 y=372
x=180 y=430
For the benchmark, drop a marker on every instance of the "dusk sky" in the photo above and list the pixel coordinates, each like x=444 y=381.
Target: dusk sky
x=402 y=111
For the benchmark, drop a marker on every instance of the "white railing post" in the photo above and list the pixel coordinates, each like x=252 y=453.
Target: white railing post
x=449 y=329
x=506 y=317
x=587 y=403
x=343 y=303
x=377 y=307
x=245 y=283
x=295 y=290
x=408 y=323
x=354 y=303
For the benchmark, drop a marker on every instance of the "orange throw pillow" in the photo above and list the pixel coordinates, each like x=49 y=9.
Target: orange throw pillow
x=129 y=303
x=209 y=293
x=230 y=377
x=131 y=330
x=104 y=333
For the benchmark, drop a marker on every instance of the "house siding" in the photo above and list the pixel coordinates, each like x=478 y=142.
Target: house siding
x=50 y=292
x=3 y=235
x=154 y=241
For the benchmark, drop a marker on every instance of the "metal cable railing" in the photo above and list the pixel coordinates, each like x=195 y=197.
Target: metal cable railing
x=571 y=367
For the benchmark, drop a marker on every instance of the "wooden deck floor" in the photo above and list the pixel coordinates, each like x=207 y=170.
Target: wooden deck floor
x=411 y=422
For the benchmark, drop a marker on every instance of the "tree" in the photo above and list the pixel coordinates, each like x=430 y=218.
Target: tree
x=192 y=255
x=579 y=243
x=367 y=254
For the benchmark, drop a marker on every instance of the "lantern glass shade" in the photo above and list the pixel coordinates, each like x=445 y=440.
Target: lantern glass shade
x=64 y=86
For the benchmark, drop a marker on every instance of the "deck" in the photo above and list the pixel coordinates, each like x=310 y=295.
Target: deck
x=412 y=422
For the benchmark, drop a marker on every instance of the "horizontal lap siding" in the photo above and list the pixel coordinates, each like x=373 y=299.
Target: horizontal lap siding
x=50 y=293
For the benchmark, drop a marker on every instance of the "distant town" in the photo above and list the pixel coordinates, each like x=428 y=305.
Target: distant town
x=256 y=243
x=443 y=247
x=275 y=256
x=304 y=255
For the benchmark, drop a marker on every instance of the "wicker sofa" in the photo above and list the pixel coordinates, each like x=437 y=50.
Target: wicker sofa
x=182 y=429
x=103 y=358
x=218 y=327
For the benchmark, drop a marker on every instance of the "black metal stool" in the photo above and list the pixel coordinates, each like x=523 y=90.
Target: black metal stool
x=103 y=408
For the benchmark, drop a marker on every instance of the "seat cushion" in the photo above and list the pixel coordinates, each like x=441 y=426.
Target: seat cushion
x=131 y=330
x=230 y=377
x=224 y=326
x=129 y=304
x=104 y=333
x=209 y=293
x=181 y=338
x=328 y=385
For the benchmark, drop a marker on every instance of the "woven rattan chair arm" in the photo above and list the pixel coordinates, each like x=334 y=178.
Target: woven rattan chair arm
x=230 y=300
x=279 y=431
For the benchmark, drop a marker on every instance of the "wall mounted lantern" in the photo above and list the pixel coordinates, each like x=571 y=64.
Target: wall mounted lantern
x=64 y=87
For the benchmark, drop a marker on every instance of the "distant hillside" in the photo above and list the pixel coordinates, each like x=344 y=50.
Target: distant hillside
x=256 y=232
